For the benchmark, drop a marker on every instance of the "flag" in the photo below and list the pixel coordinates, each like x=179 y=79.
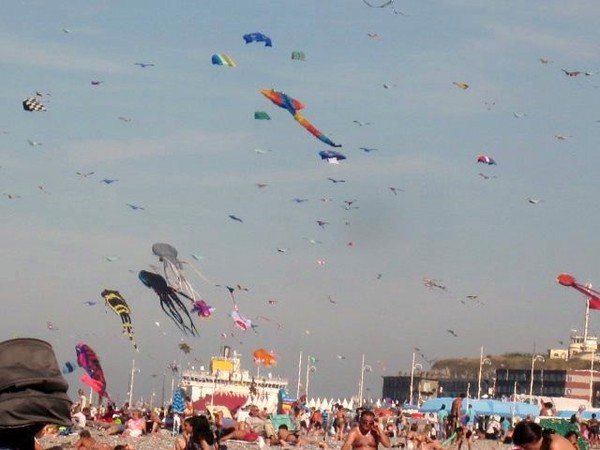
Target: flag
x=313 y=360
x=594 y=302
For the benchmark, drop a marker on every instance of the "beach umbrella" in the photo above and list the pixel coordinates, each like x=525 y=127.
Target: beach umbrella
x=178 y=404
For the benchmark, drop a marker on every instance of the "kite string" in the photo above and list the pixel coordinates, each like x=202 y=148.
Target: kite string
x=383 y=5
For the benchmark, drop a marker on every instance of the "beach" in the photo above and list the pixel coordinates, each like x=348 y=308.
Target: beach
x=166 y=441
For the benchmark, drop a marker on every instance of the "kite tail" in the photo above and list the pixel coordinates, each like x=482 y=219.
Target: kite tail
x=313 y=130
x=97 y=386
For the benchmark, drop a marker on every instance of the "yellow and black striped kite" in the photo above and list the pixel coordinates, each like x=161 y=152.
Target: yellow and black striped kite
x=118 y=304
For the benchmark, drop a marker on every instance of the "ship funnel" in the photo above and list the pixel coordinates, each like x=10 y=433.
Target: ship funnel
x=226 y=351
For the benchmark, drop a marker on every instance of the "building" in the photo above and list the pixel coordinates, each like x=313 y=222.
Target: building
x=425 y=386
x=576 y=384
x=568 y=383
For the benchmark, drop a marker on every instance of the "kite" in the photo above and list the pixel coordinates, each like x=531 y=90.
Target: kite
x=592 y=295
x=202 y=308
x=293 y=106
x=261 y=115
x=258 y=37
x=434 y=284
x=68 y=368
x=118 y=304
x=331 y=156
x=571 y=73
x=242 y=322
x=383 y=5
x=236 y=218
x=298 y=55
x=173 y=270
x=461 y=85
x=486 y=160
x=33 y=104
x=144 y=65
x=94 y=376
x=223 y=60
x=264 y=357
x=170 y=303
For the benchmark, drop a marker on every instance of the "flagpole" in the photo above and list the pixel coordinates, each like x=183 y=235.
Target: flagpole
x=362 y=380
x=307 y=378
x=299 y=375
x=587 y=318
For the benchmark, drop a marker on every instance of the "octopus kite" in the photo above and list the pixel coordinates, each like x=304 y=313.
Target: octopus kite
x=170 y=302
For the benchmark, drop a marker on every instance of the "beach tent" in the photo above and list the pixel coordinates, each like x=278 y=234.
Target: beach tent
x=483 y=407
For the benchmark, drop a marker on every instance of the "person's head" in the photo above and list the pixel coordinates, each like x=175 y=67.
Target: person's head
x=136 y=414
x=548 y=405
x=283 y=426
x=527 y=435
x=593 y=415
x=254 y=411
x=443 y=406
x=367 y=421
x=188 y=425
x=81 y=392
x=85 y=434
x=463 y=395
x=572 y=437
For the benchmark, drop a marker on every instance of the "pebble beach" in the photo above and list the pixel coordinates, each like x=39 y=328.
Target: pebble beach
x=166 y=441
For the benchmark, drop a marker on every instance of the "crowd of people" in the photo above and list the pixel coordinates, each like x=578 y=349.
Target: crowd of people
x=362 y=429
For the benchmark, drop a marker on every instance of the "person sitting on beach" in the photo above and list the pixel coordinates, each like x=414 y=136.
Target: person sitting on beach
x=285 y=438
x=572 y=437
x=421 y=441
x=182 y=441
x=242 y=431
x=529 y=436
x=87 y=442
x=226 y=425
x=189 y=407
x=156 y=422
x=366 y=435
x=134 y=427
x=202 y=437
x=78 y=419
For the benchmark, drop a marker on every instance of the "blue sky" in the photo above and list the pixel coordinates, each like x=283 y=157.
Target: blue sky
x=188 y=157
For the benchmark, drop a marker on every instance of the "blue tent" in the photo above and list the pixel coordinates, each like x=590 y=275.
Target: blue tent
x=483 y=407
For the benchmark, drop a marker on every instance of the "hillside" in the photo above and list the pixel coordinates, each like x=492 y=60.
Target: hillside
x=469 y=367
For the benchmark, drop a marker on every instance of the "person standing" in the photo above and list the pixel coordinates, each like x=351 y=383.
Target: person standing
x=442 y=421
x=455 y=412
x=82 y=399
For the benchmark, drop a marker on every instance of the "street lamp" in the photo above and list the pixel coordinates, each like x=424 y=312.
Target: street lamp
x=482 y=361
x=534 y=358
x=412 y=376
x=134 y=370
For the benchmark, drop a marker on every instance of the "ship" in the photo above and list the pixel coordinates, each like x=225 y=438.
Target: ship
x=226 y=380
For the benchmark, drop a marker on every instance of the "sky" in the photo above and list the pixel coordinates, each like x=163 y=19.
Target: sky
x=188 y=155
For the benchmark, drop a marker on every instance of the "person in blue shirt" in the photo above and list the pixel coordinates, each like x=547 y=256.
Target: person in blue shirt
x=442 y=421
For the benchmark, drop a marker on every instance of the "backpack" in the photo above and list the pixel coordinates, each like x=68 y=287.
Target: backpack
x=32 y=387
